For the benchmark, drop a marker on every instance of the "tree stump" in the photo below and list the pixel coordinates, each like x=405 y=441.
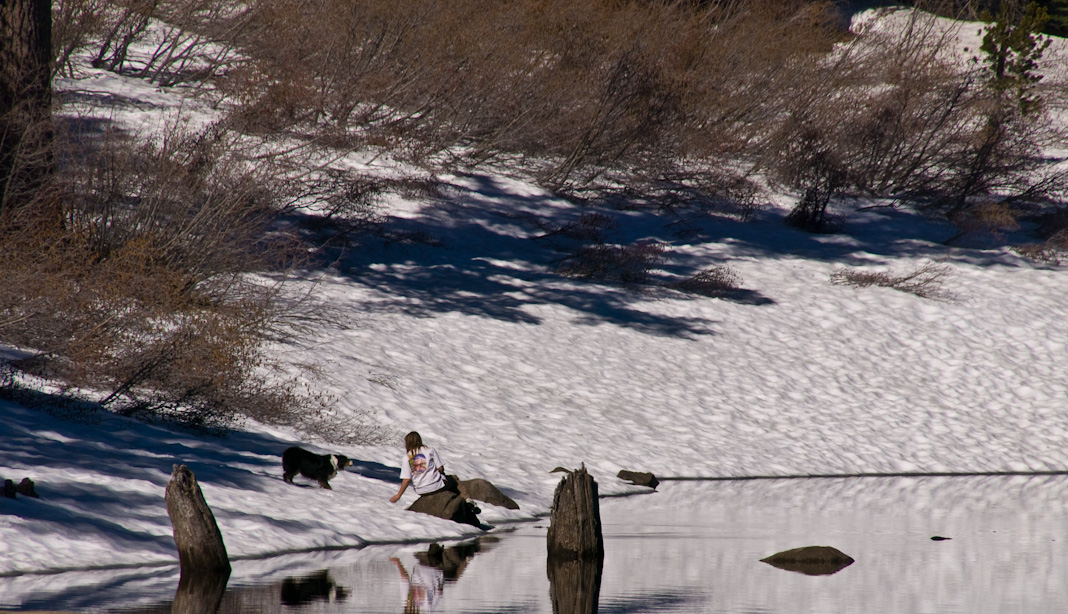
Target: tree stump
x=575 y=519
x=200 y=544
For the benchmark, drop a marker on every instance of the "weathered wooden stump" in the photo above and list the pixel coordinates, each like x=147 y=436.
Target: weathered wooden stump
x=575 y=518
x=574 y=585
x=200 y=544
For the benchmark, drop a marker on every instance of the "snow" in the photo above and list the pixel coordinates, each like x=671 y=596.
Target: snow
x=510 y=371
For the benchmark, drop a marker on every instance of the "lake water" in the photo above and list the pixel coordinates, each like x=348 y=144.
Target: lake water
x=689 y=547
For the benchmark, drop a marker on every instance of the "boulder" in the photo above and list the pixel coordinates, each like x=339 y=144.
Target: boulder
x=26 y=488
x=639 y=478
x=448 y=505
x=810 y=560
x=483 y=490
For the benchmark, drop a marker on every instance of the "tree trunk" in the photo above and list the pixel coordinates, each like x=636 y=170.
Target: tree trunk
x=575 y=519
x=26 y=133
x=200 y=544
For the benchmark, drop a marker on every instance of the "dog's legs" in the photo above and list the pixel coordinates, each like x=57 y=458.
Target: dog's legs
x=288 y=477
x=325 y=484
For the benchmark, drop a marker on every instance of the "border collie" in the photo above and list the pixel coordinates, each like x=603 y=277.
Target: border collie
x=318 y=467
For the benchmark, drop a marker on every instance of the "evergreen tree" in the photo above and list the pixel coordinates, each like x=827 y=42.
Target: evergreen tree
x=1013 y=45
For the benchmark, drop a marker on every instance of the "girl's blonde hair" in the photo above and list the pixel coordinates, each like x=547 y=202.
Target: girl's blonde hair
x=412 y=442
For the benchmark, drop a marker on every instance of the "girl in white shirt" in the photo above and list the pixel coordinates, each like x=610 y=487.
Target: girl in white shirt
x=421 y=467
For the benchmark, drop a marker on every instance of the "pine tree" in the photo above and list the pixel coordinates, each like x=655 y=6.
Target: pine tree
x=1013 y=45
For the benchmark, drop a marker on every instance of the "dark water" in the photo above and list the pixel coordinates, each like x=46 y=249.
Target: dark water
x=691 y=547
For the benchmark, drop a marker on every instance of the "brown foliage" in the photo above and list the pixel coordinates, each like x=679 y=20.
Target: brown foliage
x=144 y=294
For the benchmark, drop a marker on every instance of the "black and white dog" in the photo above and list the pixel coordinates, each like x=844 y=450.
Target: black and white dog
x=318 y=467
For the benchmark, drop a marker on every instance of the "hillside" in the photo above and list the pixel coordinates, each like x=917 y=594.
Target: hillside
x=457 y=324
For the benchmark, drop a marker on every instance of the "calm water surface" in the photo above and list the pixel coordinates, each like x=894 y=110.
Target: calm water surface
x=690 y=547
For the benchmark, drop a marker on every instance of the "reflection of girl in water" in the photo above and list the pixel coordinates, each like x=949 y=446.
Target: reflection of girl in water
x=425 y=587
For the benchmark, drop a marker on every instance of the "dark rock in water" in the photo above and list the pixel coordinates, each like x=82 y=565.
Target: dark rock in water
x=483 y=490
x=9 y=489
x=939 y=538
x=448 y=505
x=26 y=488
x=639 y=478
x=810 y=560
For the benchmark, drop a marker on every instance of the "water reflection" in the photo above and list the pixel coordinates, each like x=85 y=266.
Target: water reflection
x=318 y=586
x=574 y=585
x=426 y=578
x=199 y=593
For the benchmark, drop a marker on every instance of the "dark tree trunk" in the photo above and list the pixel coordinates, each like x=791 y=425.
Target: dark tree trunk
x=200 y=544
x=575 y=519
x=26 y=133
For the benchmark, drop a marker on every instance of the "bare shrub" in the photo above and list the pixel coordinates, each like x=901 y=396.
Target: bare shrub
x=926 y=281
x=630 y=264
x=145 y=294
x=895 y=112
x=1053 y=250
x=713 y=282
x=588 y=228
x=164 y=41
x=660 y=82
x=987 y=217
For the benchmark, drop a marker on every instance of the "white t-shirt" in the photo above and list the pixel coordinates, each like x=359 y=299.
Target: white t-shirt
x=422 y=467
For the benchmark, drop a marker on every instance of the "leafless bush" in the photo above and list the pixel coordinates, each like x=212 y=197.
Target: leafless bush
x=1053 y=250
x=145 y=293
x=927 y=281
x=629 y=264
x=895 y=112
x=583 y=86
x=164 y=41
x=588 y=228
x=714 y=282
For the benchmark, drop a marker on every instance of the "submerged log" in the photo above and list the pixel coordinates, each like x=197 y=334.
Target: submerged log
x=199 y=542
x=575 y=518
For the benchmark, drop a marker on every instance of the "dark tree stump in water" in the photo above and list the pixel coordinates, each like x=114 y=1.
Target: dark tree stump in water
x=574 y=585
x=575 y=519
x=200 y=544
